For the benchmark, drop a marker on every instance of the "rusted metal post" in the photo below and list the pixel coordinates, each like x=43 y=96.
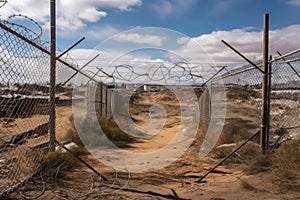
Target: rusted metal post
x=264 y=133
x=52 y=112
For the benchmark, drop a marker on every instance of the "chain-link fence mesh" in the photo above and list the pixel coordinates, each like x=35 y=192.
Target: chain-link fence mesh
x=285 y=95
x=24 y=77
x=100 y=101
x=24 y=98
x=24 y=101
x=244 y=101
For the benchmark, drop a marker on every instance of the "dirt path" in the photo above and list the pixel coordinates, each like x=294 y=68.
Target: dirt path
x=162 y=137
x=175 y=181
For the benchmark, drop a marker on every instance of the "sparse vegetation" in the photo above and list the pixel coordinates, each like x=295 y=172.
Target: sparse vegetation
x=243 y=94
x=58 y=158
x=286 y=161
x=93 y=137
x=235 y=130
x=258 y=163
x=246 y=185
x=221 y=152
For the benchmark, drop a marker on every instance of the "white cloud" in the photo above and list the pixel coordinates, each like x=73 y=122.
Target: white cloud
x=165 y=8
x=203 y=51
x=119 y=4
x=38 y=10
x=93 y=33
x=294 y=2
x=248 y=42
x=101 y=33
x=154 y=40
x=182 y=40
x=70 y=14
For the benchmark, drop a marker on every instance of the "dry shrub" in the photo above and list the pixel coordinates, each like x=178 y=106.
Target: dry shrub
x=221 y=152
x=250 y=151
x=246 y=155
x=289 y=152
x=258 y=164
x=235 y=130
x=287 y=162
x=59 y=159
x=63 y=158
x=283 y=165
x=244 y=94
x=93 y=137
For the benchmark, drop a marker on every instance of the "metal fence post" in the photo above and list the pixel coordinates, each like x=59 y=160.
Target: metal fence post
x=101 y=100
x=264 y=133
x=106 y=101
x=52 y=77
x=269 y=100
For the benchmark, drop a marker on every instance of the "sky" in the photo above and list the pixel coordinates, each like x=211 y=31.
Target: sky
x=189 y=29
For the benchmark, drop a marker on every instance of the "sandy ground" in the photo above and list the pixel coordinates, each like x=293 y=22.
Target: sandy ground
x=176 y=181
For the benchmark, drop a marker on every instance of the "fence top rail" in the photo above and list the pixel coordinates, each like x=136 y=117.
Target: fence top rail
x=285 y=55
x=250 y=67
x=291 y=60
x=237 y=71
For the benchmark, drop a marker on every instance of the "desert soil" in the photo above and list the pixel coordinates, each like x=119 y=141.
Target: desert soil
x=176 y=181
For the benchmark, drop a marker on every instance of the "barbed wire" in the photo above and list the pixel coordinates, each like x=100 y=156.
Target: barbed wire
x=157 y=73
x=24 y=73
x=3 y=3
x=167 y=73
x=29 y=33
x=34 y=36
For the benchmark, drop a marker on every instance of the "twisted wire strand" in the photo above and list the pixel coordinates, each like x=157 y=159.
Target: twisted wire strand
x=3 y=3
x=37 y=35
x=159 y=72
x=68 y=192
x=26 y=196
x=31 y=34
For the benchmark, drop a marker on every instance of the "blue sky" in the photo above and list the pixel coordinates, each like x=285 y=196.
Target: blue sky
x=191 y=17
x=197 y=17
x=206 y=22
x=202 y=17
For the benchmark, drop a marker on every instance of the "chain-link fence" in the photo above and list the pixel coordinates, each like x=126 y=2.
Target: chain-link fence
x=285 y=95
x=24 y=99
x=24 y=103
x=24 y=77
x=244 y=100
x=99 y=101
